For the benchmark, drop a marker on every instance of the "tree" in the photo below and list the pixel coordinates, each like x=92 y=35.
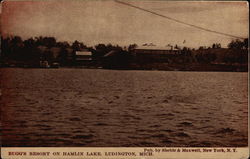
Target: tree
x=62 y=44
x=238 y=44
x=176 y=47
x=132 y=47
x=30 y=52
x=186 y=51
x=78 y=46
x=16 y=47
x=245 y=45
x=5 y=47
x=202 y=48
x=216 y=46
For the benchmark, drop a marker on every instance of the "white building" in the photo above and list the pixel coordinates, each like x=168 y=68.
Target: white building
x=83 y=56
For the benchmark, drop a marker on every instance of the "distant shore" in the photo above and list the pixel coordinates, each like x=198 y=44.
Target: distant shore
x=47 y=52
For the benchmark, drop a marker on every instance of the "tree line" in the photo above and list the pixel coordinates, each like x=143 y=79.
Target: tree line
x=32 y=50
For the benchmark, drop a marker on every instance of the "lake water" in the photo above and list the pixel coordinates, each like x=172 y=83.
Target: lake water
x=94 y=107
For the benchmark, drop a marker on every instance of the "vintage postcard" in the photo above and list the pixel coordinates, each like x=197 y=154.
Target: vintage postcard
x=137 y=79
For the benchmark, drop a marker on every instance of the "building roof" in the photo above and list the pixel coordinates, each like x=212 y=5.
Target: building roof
x=83 y=53
x=111 y=53
x=155 y=48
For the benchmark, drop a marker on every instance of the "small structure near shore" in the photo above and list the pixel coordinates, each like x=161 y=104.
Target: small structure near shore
x=83 y=55
x=44 y=64
x=83 y=58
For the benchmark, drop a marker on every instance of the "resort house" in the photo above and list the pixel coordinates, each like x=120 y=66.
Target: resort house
x=153 y=50
x=83 y=55
x=154 y=53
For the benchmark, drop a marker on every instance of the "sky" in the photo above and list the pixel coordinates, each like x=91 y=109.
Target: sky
x=106 y=21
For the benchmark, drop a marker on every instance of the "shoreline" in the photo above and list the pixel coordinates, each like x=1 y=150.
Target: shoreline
x=184 y=68
x=157 y=66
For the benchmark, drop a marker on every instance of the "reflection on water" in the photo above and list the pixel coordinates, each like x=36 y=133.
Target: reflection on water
x=81 y=107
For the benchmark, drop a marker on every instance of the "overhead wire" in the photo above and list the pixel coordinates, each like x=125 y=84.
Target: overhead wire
x=178 y=21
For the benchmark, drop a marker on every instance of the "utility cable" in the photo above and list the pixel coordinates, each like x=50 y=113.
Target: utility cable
x=178 y=21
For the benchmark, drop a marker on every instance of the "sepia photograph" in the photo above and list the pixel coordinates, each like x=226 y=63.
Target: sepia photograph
x=123 y=73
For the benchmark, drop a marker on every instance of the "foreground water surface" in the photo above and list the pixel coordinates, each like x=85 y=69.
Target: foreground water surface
x=89 y=107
